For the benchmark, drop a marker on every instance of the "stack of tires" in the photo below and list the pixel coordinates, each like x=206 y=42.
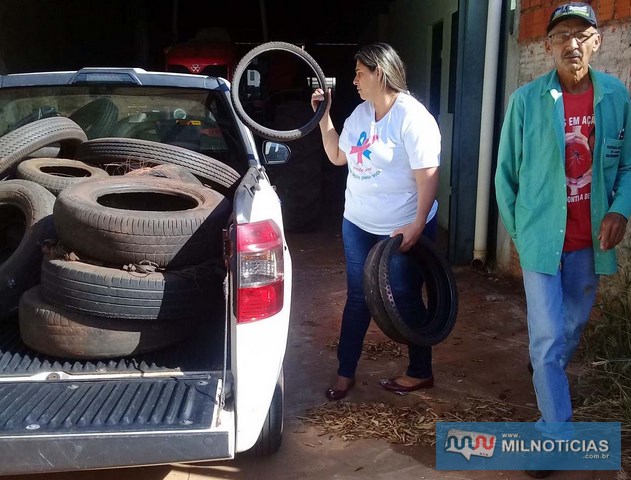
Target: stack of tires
x=26 y=206
x=132 y=263
x=149 y=268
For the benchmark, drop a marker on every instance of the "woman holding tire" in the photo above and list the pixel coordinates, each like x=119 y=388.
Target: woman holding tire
x=391 y=144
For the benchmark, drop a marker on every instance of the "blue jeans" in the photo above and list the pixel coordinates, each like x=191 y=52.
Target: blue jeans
x=558 y=307
x=406 y=281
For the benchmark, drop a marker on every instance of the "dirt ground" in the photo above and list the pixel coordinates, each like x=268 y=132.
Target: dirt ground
x=481 y=366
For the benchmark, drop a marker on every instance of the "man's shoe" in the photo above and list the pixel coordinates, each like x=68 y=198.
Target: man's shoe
x=333 y=394
x=538 y=473
x=392 y=385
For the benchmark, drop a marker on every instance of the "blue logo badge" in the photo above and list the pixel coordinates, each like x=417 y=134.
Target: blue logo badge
x=528 y=446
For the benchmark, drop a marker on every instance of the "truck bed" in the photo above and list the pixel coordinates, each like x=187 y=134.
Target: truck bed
x=62 y=414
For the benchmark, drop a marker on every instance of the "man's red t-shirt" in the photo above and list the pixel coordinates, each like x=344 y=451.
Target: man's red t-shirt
x=579 y=145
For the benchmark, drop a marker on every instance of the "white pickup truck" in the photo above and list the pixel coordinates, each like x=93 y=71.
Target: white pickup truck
x=213 y=394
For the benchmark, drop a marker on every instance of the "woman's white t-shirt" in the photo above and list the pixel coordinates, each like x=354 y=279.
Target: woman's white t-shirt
x=381 y=193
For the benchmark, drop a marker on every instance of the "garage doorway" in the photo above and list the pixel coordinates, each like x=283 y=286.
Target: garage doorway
x=438 y=40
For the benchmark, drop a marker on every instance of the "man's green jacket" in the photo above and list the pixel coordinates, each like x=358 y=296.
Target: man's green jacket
x=530 y=178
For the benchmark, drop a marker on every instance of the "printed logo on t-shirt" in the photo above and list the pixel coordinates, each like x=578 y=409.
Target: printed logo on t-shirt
x=361 y=152
x=579 y=145
x=578 y=152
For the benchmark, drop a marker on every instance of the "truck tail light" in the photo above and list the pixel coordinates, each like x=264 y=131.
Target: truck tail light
x=260 y=280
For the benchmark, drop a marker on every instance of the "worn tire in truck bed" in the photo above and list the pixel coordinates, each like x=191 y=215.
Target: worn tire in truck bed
x=116 y=293
x=18 y=144
x=123 y=220
x=25 y=221
x=55 y=174
x=61 y=333
x=125 y=150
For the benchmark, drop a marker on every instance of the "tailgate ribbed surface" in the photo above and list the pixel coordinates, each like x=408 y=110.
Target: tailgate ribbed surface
x=34 y=408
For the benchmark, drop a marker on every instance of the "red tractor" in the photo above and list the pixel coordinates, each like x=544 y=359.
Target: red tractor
x=211 y=53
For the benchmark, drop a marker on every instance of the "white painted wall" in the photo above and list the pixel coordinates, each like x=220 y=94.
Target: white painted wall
x=412 y=37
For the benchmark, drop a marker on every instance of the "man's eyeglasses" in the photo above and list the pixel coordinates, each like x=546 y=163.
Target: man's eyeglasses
x=561 y=38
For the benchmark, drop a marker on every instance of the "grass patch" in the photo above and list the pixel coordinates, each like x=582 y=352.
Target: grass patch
x=605 y=377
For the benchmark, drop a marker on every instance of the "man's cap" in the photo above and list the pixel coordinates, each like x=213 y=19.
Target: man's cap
x=568 y=10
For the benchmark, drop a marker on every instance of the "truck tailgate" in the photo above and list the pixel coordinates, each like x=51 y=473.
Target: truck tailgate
x=59 y=415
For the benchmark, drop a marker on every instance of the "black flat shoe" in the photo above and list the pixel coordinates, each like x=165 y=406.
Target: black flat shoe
x=392 y=385
x=333 y=394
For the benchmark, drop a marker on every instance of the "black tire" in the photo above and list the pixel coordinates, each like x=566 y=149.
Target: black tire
x=55 y=174
x=442 y=294
x=60 y=333
x=372 y=292
x=25 y=221
x=97 y=118
x=265 y=132
x=143 y=152
x=113 y=293
x=126 y=220
x=173 y=172
x=271 y=436
x=21 y=142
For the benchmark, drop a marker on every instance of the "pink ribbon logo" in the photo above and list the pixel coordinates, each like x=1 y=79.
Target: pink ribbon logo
x=362 y=147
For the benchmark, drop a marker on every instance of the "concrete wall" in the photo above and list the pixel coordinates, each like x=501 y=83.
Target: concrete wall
x=529 y=60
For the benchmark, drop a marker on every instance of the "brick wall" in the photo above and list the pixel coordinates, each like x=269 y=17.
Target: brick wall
x=535 y=15
x=514 y=269
x=614 y=57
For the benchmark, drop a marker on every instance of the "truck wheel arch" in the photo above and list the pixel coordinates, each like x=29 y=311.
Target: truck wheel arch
x=271 y=435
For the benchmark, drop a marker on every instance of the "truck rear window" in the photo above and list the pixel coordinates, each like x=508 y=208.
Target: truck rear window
x=190 y=118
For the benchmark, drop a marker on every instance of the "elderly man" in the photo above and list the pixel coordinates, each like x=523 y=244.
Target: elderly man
x=563 y=185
